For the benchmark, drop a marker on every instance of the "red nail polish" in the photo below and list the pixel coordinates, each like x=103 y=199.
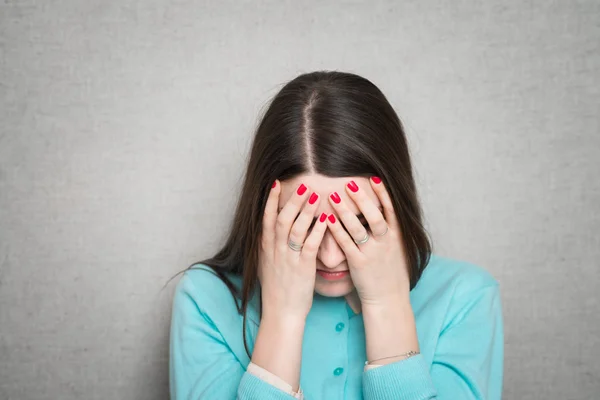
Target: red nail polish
x=313 y=198
x=331 y=218
x=352 y=186
x=323 y=217
x=274 y=184
x=301 y=189
x=335 y=197
x=376 y=179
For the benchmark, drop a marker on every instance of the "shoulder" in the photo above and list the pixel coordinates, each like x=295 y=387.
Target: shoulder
x=210 y=294
x=450 y=286
x=202 y=283
x=203 y=277
x=205 y=309
x=459 y=276
x=451 y=291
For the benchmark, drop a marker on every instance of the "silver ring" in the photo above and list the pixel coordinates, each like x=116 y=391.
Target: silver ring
x=386 y=229
x=294 y=246
x=363 y=240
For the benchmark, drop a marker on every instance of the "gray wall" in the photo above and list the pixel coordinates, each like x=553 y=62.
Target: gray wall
x=125 y=127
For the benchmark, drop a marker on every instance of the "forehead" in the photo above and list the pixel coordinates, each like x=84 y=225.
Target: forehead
x=324 y=186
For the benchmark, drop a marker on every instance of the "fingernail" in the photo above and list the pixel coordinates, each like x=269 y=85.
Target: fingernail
x=323 y=217
x=313 y=198
x=274 y=184
x=331 y=218
x=376 y=179
x=301 y=189
x=335 y=197
x=352 y=186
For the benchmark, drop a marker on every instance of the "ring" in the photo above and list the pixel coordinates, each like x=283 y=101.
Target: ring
x=363 y=240
x=386 y=229
x=294 y=246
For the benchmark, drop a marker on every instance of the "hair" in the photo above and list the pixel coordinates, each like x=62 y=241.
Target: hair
x=331 y=123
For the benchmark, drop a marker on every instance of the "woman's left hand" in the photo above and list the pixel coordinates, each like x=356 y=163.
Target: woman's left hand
x=378 y=268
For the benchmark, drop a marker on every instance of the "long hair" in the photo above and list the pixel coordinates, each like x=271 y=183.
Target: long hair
x=331 y=123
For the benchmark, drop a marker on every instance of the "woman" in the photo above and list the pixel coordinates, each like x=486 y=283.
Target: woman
x=327 y=287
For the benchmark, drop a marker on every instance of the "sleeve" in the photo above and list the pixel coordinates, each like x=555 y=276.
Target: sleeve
x=467 y=363
x=201 y=365
x=274 y=380
x=372 y=366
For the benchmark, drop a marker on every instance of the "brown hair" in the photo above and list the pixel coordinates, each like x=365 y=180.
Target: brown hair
x=331 y=123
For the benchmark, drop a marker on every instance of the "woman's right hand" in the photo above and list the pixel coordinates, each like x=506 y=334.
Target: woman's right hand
x=287 y=277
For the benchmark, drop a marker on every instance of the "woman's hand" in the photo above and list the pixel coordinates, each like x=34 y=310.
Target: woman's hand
x=378 y=267
x=287 y=277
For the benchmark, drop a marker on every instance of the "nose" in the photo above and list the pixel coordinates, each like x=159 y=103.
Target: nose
x=330 y=253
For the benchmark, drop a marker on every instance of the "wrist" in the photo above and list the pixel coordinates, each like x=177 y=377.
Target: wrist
x=284 y=321
x=390 y=329
x=278 y=347
x=391 y=316
x=392 y=305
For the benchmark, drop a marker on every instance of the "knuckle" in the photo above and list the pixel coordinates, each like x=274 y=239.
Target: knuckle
x=281 y=222
x=310 y=246
x=296 y=231
x=346 y=240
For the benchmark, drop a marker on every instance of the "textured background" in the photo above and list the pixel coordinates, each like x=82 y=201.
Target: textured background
x=124 y=129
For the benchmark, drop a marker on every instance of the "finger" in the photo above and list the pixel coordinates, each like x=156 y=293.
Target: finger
x=367 y=207
x=300 y=227
x=386 y=201
x=354 y=227
x=270 y=216
x=288 y=214
x=312 y=243
x=342 y=237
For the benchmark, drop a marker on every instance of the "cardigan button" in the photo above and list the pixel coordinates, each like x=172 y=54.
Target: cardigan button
x=338 y=371
x=339 y=327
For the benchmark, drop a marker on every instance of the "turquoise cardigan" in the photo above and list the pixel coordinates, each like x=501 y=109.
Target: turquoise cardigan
x=459 y=322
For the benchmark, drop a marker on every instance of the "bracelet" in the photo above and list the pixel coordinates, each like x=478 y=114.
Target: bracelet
x=407 y=355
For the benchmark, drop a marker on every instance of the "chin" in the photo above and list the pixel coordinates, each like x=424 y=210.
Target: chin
x=333 y=289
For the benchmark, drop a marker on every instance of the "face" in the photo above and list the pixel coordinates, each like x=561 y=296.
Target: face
x=330 y=256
